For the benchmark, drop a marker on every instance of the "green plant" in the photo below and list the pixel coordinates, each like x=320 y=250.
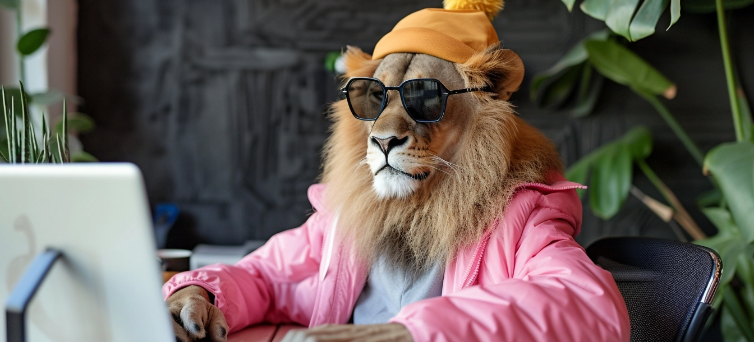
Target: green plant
x=637 y=19
x=28 y=43
x=729 y=165
x=22 y=146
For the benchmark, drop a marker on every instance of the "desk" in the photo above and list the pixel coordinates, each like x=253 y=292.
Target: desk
x=262 y=333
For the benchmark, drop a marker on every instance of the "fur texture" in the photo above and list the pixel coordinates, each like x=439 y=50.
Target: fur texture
x=495 y=153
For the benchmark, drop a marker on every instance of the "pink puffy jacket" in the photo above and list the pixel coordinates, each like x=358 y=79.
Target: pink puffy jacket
x=525 y=280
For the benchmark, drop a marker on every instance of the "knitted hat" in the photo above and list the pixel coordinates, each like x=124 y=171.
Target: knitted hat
x=453 y=33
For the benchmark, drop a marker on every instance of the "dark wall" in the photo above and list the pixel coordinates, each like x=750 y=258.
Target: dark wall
x=221 y=103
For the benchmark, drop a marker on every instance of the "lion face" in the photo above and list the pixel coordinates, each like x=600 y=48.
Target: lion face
x=417 y=192
x=404 y=155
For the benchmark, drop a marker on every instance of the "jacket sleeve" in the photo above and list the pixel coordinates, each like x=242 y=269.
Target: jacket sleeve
x=539 y=285
x=274 y=284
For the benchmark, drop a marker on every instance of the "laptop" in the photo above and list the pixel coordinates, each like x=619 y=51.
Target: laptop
x=107 y=284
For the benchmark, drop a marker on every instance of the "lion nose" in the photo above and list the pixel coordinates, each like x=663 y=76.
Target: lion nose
x=387 y=144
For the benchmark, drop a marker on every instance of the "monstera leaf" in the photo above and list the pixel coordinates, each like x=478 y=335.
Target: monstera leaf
x=632 y=19
x=611 y=171
x=555 y=87
x=571 y=84
x=623 y=66
x=732 y=165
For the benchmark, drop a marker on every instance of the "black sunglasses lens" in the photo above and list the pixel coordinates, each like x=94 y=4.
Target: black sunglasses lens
x=423 y=99
x=365 y=98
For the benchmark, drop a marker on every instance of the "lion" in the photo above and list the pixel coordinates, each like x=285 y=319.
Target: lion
x=473 y=162
x=442 y=215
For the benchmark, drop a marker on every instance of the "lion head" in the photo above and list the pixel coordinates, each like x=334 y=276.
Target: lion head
x=417 y=192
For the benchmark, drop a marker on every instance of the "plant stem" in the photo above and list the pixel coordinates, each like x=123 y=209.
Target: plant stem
x=673 y=124
x=681 y=215
x=19 y=33
x=729 y=76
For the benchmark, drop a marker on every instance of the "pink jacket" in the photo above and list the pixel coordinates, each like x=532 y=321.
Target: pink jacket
x=526 y=279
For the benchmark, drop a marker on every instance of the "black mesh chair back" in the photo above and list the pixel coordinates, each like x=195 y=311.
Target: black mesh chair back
x=668 y=285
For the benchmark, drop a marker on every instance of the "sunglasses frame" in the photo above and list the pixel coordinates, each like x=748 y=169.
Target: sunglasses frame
x=445 y=93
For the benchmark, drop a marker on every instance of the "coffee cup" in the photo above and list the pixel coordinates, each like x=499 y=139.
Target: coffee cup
x=174 y=260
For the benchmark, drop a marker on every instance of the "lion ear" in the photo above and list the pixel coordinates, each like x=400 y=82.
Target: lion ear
x=359 y=63
x=500 y=68
x=513 y=75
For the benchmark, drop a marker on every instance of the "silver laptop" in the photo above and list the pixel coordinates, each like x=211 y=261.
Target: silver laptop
x=106 y=286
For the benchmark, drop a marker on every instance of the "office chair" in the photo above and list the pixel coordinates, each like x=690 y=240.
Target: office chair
x=668 y=285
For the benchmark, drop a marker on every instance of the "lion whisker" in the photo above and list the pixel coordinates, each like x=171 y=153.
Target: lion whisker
x=438 y=169
x=446 y=163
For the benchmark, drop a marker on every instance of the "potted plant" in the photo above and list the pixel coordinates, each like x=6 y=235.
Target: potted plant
x=28 y=43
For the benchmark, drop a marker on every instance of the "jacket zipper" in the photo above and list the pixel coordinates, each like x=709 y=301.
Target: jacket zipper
x=473 y=269
x=548 y=187
x=477 y=262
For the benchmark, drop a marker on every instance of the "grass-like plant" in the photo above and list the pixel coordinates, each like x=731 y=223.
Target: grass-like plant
x=22 y=144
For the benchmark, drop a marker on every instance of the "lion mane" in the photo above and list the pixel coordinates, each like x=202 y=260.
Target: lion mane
x=497 y=153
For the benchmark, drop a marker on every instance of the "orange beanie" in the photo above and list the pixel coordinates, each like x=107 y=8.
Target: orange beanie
x=454 y=33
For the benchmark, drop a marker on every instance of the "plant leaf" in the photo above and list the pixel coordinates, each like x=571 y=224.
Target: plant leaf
x=611 y=170
x=745 y=272
x=727 y=242
x=60 y=148
x=81 y=123
x=639 y=141
x=646 y=19
x=709 y=198
x=732 y=165
x=12 y=135
x=13 y=93
x=557 y=89
x=24 y=123
x=611 y=181
x=66 y=156
x=675 y=12
x=708 y=6
x=743 y=105
x=585 y=103
x=569 y=4
x=733 y=306
x=728 y=326
x=619 y=16
x=596 y=8
x=574 y=57
x=6 y=120
x=10 y=4
x=621 y=65
x=45 y=140
x=579 y=172
x=33 y=144
x=47 y=98
x=4 y=150
x=31 y=41
x=83 y=157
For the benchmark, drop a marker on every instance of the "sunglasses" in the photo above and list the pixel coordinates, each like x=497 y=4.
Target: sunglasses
x=423 y=98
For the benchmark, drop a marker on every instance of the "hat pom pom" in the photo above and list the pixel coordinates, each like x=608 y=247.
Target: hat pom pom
x=490 y=7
